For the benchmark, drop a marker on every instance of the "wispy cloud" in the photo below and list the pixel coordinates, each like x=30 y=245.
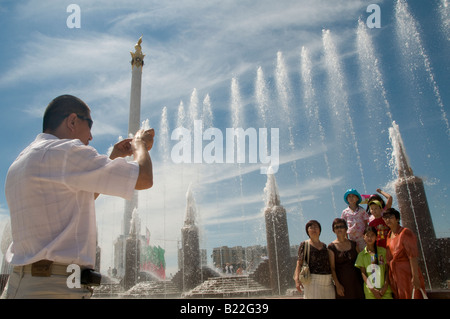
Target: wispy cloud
x=194 y=45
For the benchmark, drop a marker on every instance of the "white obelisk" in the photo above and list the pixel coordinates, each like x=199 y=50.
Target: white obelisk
x=137 y=62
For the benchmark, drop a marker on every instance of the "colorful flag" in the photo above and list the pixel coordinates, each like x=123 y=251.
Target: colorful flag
x=152 y=260
x=147 y=236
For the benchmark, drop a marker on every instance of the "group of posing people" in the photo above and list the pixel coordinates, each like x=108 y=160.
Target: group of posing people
x=372 y=257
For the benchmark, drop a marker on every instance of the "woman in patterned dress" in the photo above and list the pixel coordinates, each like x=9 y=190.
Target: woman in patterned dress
x=321 y=284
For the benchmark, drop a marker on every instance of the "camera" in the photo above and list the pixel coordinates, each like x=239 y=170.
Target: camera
x=90 y=277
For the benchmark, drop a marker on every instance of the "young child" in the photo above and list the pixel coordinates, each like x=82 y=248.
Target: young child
x=372 y=263
x=376 y=210
x=377 y=197
x=356 y=217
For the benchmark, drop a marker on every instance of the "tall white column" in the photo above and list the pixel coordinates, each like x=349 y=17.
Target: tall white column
x=137 y=62
x=134 y=123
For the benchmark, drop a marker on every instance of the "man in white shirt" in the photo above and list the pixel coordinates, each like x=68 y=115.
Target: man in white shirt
x=50 y=189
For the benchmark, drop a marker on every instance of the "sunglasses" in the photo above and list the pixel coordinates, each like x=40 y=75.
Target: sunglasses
x=340 y=227
x=90 y=122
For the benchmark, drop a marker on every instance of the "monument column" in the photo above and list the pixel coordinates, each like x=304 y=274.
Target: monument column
x=277 y=238
x=134 y=122
x=191 y=246
x=132 y=253
x=414 y=210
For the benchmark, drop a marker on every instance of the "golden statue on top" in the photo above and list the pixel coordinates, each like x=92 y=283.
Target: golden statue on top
x=137 y=58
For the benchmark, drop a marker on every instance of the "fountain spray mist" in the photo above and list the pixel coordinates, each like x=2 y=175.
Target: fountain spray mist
x=373 y=84
x=193 y=109
x=164 y=135
x=262 y=96
x=237 y=120
x=284 y=96
x=444 y=12
x=181 y=116
x=312 y=110
x=207 y=115
x=414 y=52
x=284 y=92
x=339 y=99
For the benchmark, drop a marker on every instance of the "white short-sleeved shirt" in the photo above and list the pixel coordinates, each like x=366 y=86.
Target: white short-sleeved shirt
x=50 y=193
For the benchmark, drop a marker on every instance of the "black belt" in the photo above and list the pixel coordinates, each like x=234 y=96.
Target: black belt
x=46 y=268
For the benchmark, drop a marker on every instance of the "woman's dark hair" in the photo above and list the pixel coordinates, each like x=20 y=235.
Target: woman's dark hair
x=61 y=107
x=372 y=229
x=310 y=223
x=338 y=221
x=392 y=211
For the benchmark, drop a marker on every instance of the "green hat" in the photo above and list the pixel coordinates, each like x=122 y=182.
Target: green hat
x=376 y=202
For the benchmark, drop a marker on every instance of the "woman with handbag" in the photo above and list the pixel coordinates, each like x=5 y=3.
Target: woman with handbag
x=313 y=254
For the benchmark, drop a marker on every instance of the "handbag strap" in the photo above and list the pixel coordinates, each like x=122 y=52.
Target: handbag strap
x=424 y=295
x=308 y=251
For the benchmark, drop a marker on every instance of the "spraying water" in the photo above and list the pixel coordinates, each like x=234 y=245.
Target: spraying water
x=236 y=105
x=284 y=96
x=164 y=135
x=399 y=161
x=284 y=93
x=191 y=244
x=339 y=99
x=373 y=84
x=207 y=116
x=181 y=116
x=193 y=108
x=238 y=121
x=237 y=118
x=262 y=96
x=444 y=12
x=145 y=124
x=414 y=52
x=271 y=193
x=370 y=68
x=312 y=108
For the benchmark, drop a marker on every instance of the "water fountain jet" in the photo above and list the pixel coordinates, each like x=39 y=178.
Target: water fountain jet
x=414 y=210
x=280 y=262
x=190 y=245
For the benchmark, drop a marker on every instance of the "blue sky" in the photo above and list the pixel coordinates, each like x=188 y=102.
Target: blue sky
x=332 y=140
